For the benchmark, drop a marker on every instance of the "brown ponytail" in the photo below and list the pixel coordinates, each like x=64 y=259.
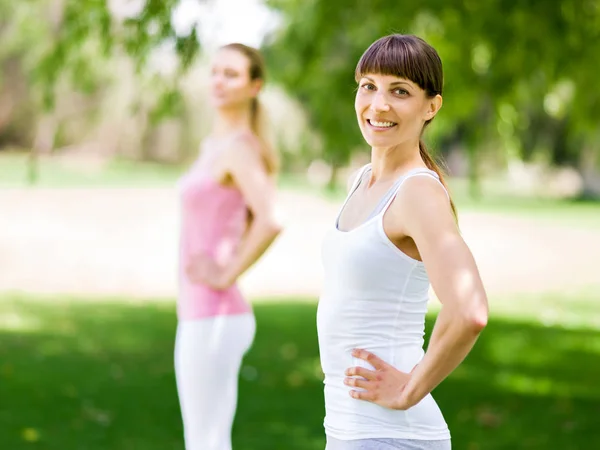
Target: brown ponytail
x=432 y=165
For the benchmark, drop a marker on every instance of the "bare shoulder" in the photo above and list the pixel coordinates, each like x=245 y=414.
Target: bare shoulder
x=424 y=190
x=423 y=203
x=244 y=150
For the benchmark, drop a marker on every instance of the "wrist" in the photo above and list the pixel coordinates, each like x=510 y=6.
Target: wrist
x=408 y=397
x=229 y=277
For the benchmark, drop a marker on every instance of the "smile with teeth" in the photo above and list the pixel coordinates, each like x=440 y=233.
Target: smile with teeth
x=378 y=124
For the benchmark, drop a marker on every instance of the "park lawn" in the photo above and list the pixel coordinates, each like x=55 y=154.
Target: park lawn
x=59 y=173
x=77 y=374
x=496 y=197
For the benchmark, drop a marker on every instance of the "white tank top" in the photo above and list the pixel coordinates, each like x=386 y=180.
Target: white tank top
x=374 y=297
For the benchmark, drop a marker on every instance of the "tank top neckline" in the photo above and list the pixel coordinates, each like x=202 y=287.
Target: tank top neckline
x=390 y=195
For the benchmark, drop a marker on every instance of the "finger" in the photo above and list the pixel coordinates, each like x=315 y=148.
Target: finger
x=371 y=358
x=363 y=395
x=206 y=261
x=197 y=276
x=361 y=372
x=191 y=274
x=195 y=259
x=202 y=265
x=359 y=382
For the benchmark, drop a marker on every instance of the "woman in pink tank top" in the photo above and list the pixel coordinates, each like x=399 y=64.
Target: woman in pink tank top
x=227 y=223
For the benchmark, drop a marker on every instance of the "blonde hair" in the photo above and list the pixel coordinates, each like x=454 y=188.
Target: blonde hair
x=258 y=119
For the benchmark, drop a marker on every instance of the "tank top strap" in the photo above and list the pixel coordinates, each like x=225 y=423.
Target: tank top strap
x=387 y=200
x=357 y=180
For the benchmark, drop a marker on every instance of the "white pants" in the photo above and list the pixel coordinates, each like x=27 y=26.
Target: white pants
x=208 y=356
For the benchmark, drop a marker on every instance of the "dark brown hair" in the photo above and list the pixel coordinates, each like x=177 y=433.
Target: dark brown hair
x=257 y=115
x=409 y=57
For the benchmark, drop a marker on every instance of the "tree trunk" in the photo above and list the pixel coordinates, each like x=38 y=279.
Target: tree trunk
x=590 y=175
x=33 y=168
x=333 y=177
x=474 y=179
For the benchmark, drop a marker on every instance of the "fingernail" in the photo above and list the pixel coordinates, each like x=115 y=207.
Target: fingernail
x=346 y=381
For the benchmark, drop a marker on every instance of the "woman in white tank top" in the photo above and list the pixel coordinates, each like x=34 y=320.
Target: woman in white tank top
x=396 y=233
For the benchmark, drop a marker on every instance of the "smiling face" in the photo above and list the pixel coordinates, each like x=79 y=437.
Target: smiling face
x=392 y=110
x=400 y=82
x=231 y=84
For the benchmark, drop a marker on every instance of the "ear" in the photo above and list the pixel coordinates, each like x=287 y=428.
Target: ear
x=256 y=86
x=433 y=106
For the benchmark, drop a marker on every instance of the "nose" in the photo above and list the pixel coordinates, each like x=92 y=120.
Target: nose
x=379 y=103
x=216 y=81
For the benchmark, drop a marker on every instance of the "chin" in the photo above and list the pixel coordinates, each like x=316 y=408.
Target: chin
x=218 y=102
x=380 y=141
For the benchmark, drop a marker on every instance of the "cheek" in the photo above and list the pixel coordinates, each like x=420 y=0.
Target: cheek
x=229 y=84
x=241 y=88
x=360 y=104
x=410 y=110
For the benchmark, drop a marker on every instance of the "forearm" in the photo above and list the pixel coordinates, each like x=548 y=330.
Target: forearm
x=259 y=238
x=453 y=337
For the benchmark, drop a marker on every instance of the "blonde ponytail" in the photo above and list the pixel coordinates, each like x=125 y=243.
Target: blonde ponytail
x=259 y=127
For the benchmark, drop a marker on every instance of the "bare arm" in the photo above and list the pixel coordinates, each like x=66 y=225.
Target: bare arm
x=427 y=219
x=454 y=277
x=248 y=171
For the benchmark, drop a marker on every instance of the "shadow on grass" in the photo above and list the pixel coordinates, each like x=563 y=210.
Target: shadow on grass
x=100 y=376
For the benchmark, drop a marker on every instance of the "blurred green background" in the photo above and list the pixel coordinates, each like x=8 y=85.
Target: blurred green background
x=102 y=108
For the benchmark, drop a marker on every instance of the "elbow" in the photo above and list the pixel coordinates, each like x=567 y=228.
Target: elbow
x=478 y=322
x=274 y=228
x=477 y=319
x=471 y=319
x=270 y=227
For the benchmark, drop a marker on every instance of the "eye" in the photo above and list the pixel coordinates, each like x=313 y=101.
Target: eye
x=368 y=86
x=401 y=91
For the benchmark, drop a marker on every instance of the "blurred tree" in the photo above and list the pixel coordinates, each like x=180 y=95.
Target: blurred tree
x=138 y=27
x=519 y=76
x=54 y=43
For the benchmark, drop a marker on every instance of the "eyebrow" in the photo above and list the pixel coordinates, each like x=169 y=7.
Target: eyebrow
x=395 y=83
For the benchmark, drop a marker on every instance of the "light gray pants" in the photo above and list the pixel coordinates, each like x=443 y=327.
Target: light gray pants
x=386 y=444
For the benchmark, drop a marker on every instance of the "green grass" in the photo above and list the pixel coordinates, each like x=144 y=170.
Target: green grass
x=54 y=173
x=99 y=375
x=57 y=173
x=497 y=199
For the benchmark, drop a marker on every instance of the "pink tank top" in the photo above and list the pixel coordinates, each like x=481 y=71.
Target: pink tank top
x=213 y=220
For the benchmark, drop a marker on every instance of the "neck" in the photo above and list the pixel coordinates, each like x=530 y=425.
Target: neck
x=389 y=162
x=232 y=120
